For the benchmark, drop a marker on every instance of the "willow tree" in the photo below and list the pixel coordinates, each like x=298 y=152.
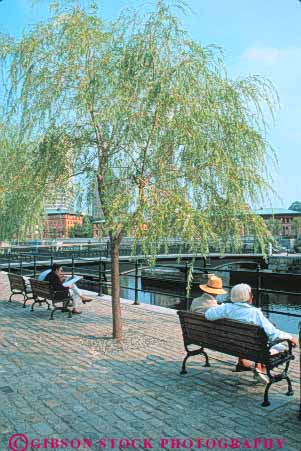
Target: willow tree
x=178 y=148
x=20 y=193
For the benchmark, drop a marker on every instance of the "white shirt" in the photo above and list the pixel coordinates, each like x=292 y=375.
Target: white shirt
x=246 y=313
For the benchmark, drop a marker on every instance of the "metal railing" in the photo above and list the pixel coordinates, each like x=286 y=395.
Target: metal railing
x=128 y=247
x=98 y=276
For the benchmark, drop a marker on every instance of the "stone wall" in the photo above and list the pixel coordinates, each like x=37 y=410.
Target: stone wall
x=281 y=263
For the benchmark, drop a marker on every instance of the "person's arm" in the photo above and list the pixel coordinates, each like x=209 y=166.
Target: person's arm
x=56 y=283
x=214 y=313
x=272 y=332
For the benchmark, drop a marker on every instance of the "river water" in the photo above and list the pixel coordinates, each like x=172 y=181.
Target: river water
x=174 y=297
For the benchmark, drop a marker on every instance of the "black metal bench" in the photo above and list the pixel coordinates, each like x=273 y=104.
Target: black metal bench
x=42 y=292
x=237 y=339
x=18 y=286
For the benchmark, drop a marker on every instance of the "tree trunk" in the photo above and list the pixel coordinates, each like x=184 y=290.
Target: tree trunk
x=116 y=310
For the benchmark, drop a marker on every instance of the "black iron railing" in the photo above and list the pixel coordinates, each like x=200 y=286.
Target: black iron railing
x=98 y=276
x=128 y=247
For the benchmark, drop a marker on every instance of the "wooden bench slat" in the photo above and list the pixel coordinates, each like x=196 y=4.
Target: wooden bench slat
x=225 y=347
x=199 y=335
x=18 y=286
x=207 y=326
x=224 y=336
x=224 y=321
x=43 y=290
x=226 y=324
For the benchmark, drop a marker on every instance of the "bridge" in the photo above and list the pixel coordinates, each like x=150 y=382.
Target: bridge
x=130 y=250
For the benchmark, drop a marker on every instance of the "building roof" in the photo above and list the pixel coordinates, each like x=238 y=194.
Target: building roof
x=61 y=212
x=276 y=211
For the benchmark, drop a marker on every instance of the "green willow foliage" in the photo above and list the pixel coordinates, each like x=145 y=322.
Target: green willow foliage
x=178 y=148
x=20 y=192
x=174 y=142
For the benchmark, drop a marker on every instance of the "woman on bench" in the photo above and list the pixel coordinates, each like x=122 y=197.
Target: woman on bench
x=241 y=309
x=56 y=279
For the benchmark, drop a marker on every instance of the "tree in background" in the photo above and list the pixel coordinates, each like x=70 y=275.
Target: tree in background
x=178 y=148
x=82 y=231
x=21 y=193
x=274 y=227
x=296 y=224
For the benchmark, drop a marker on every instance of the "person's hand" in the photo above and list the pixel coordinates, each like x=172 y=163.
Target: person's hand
x=294 y=341
x=72 y=286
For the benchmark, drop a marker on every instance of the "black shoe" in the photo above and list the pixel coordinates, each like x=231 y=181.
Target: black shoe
x=86 y=299
x=239 y=368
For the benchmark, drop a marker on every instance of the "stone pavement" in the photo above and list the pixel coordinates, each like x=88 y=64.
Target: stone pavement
x=67 y=380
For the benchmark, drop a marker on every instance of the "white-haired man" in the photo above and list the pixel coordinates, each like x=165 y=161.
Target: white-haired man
x=241 y=309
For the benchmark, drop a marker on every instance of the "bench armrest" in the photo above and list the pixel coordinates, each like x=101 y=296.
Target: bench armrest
x=281 y=340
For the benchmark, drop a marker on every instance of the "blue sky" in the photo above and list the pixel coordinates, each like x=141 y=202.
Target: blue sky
x=259 y=37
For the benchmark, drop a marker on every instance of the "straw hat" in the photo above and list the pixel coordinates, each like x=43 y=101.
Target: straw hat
x=214 y=286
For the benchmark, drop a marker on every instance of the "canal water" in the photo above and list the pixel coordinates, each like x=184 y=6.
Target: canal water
x=174 y=297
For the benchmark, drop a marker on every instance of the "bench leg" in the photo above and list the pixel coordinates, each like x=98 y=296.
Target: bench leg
x=183 y=370
x=207 y=359
x=192 y=353
x=290 y=390
x=52 y=313
x=32 y=305
x=18 y=292
x=277 y=378
x=266 y=401
x=25 y=300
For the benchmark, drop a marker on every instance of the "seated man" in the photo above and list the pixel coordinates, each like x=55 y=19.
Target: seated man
x=241 y=309
x=56 y=278
x=213 y=287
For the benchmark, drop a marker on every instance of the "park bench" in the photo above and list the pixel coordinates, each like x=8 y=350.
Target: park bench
x=42 y=292
x=237 y=339
x=18 y=286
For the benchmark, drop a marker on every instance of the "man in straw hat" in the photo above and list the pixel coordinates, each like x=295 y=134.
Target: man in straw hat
x=211 y=289
x=240 y=309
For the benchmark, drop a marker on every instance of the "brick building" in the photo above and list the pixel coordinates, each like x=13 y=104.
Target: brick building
x=284 y=217
x=58 y=223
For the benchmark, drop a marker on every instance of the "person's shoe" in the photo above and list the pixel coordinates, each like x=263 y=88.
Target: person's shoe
x=240 y=368
x=86 y=299
x=76 y=312
x=260 y=377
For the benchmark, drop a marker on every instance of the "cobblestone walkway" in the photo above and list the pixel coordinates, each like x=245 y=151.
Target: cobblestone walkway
x=66 y=379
